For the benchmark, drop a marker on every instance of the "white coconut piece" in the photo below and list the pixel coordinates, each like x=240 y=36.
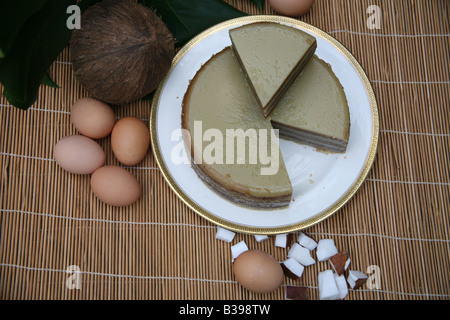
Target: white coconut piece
x=347 y=263
x=306 y=241
x=293 y=269
x=341 y=284
x=328 y=289
x=261 y=238
x=326 y=249
x=281 y=240
x=302 y=255
x=356 y=279
x=224 y=234
x=237 y=249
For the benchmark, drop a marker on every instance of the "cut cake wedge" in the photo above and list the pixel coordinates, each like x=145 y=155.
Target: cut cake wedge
x=314 y=110
x=310 y=108
x=271 y=55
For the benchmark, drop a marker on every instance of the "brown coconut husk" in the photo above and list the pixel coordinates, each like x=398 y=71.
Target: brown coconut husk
x=122 y=51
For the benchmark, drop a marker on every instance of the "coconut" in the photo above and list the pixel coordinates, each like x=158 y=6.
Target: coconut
x=328 y=289
x=237 y=249
x=122 y=51
x=301 y=254
x=224 y=234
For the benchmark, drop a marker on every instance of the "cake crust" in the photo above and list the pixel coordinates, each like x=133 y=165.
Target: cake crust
x=235 y=192
x=267 y=107
x=222 y=95
x=314 y=110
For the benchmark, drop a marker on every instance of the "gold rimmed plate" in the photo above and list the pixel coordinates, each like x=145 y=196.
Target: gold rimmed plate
x=322 y=182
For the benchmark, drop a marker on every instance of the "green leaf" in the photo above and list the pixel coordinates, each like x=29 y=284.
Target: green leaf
x=148 y=97
x=49 y=81
x=33 y=33
x=13 y=15
x=39 y=41
x=37 y=44
x=186 y=19
x=259 y=3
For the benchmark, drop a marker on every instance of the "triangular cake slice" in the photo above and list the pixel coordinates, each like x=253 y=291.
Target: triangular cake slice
x=271 y=55
x=314 y=110
x=217 y=104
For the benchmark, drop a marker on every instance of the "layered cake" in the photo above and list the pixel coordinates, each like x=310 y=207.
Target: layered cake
x=220 y=106
x=271 y=56
x=216 y=107
x=314 y=110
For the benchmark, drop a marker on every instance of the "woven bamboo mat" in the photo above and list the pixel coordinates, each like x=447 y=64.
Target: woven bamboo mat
x=397 y=224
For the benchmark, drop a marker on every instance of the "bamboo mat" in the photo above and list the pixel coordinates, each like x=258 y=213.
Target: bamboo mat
x=397 y=224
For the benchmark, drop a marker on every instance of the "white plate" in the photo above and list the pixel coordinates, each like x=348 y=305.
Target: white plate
x=322 y=183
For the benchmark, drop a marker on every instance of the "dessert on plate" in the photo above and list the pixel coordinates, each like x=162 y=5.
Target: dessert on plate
x=314 y=110
x=219 y=100
x=271 y=56
x=231 y=132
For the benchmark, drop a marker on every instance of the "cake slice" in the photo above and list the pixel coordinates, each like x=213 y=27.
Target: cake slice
x=314 y=110
x=271 y=56
x=218 y=103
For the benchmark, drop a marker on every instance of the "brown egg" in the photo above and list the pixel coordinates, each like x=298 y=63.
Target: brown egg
x=130 y=140
x=79 y=154
x=291 y=8
x=258 y=271
x=92 y=118
x=115 y=186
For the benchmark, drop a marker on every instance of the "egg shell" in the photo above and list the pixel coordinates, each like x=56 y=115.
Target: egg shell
x=92 y=118
x=130 y=140
x=258 y=271
x=115 y=186
x=79 y=154
x=291 y=8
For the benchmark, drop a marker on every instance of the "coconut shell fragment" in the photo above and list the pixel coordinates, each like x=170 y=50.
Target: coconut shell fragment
x=296 y=293
x=340 y=262
x=122 y=51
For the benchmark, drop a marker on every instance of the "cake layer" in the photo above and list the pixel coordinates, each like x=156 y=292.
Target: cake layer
x=271 y=56
x=220 y=108
x=219 y=103
x=314 y=110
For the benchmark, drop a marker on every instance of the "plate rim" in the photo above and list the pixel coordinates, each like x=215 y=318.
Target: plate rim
x=319 y=217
